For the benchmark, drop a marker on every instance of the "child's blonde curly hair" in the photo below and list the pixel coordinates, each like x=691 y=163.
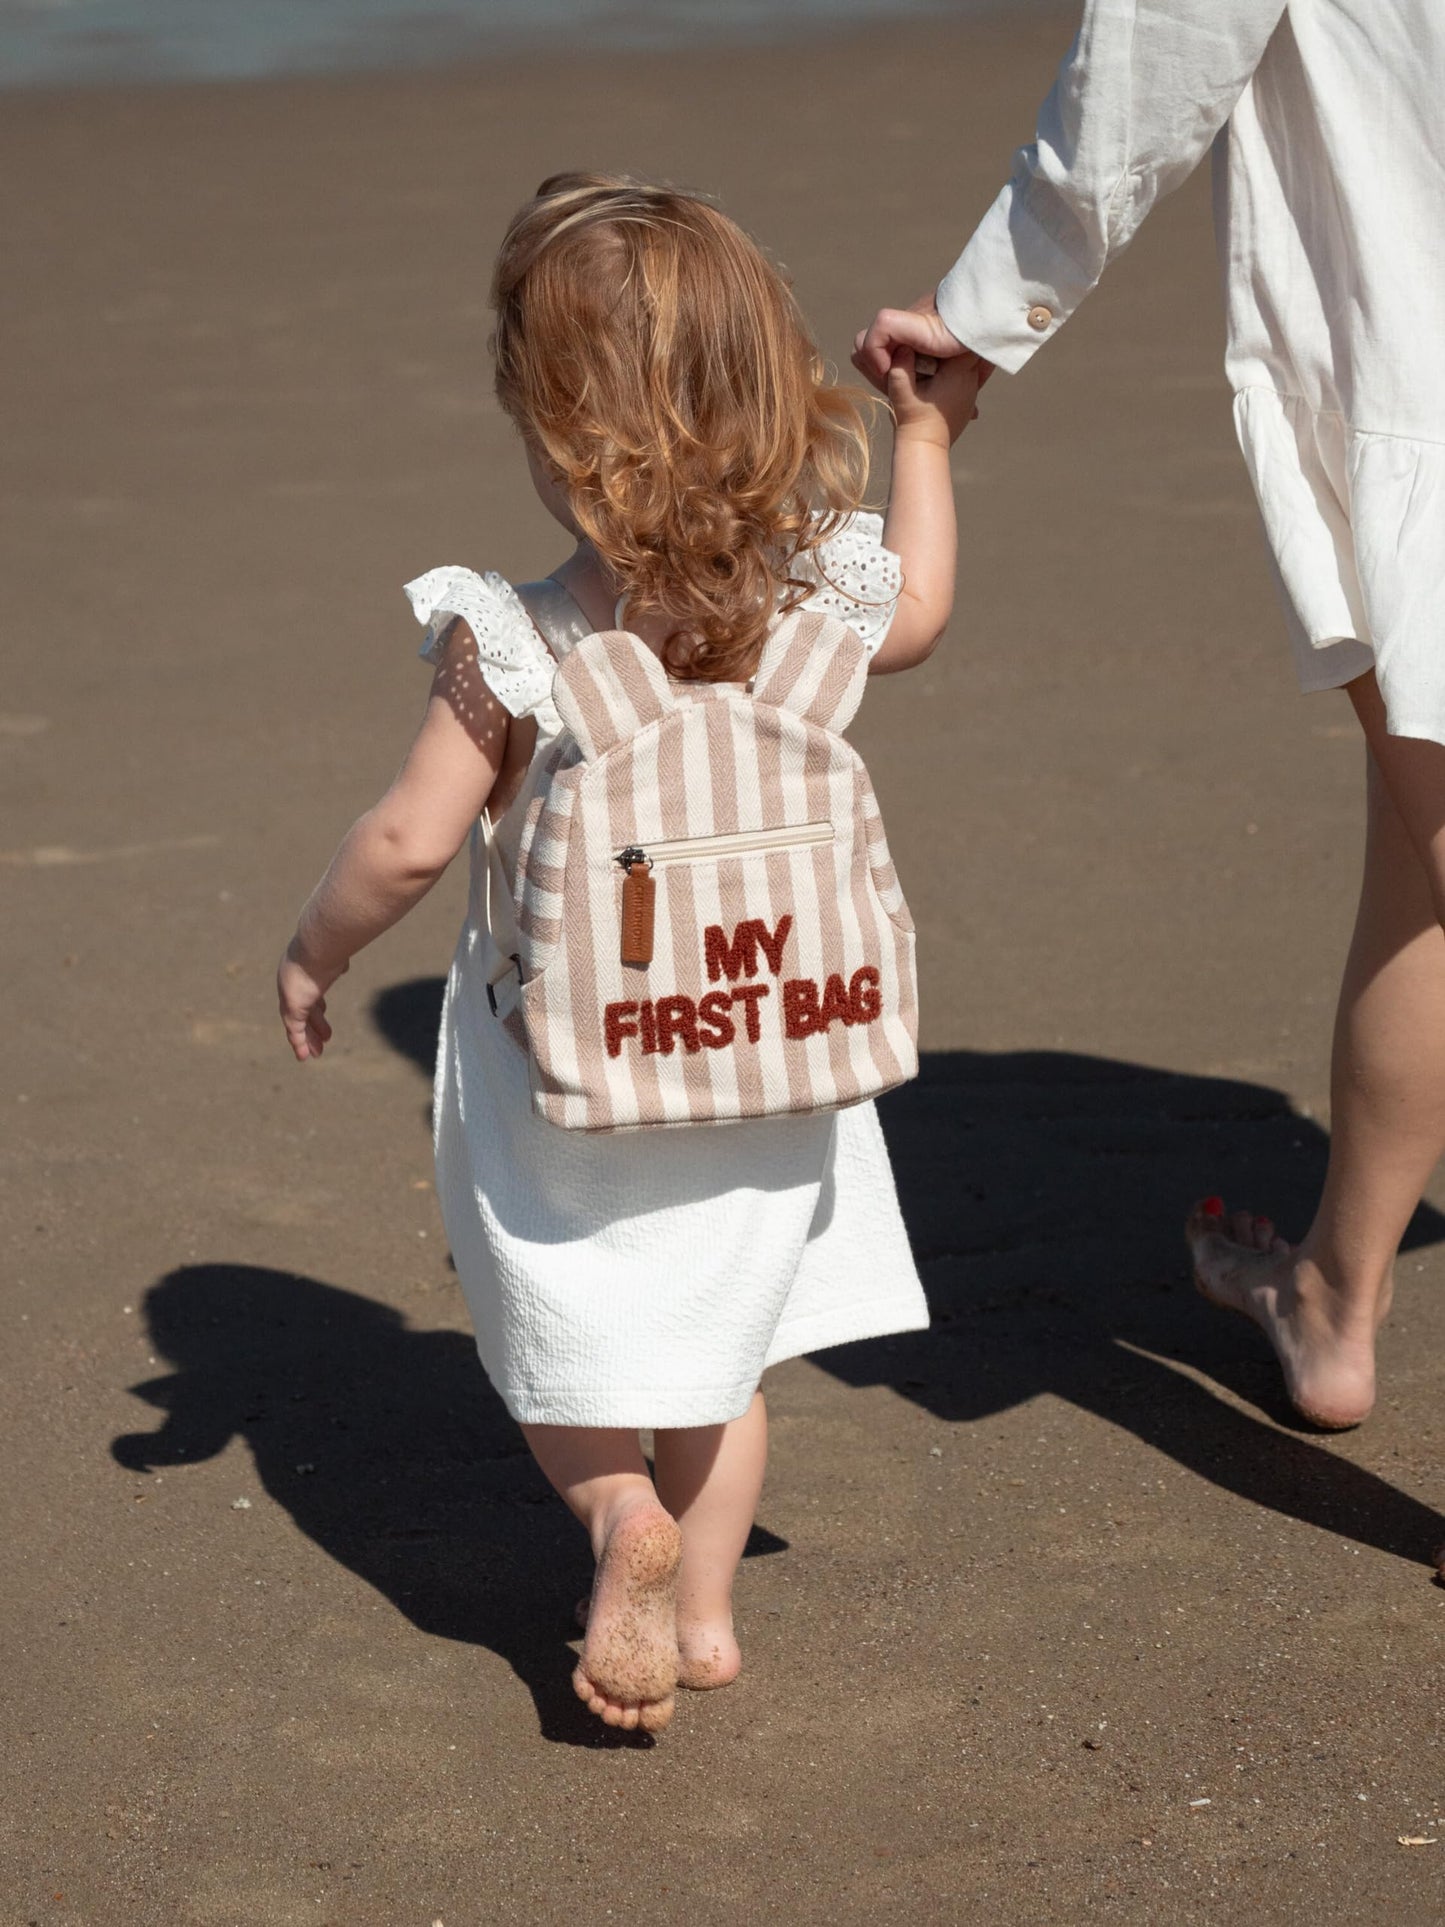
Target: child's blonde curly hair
x=658 y=362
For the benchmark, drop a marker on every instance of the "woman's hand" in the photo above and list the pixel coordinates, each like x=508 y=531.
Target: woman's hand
x=920 y=328
x=301 y=992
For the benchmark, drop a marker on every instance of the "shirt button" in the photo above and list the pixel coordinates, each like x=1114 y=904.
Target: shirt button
x=1039 y=318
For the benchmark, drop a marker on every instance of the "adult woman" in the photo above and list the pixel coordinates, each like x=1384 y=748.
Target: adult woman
x=1331 y=208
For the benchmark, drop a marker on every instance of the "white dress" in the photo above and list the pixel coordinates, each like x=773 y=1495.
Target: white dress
x=645 y=1278
x=1330 y=206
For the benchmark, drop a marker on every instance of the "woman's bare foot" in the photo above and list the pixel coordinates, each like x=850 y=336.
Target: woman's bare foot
x=708 y=1654
x=629 y=1664
x=1326 y=1350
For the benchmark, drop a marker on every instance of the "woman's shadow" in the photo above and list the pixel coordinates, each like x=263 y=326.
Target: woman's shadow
x=1043 y=1194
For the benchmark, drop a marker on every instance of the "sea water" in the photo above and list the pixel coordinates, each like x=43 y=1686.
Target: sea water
x=69 y=42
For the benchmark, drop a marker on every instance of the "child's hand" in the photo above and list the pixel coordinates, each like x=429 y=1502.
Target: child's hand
x=301 y=991
x=936 y=405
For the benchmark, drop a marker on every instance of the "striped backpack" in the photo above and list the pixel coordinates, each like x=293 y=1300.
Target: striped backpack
x=708 y=925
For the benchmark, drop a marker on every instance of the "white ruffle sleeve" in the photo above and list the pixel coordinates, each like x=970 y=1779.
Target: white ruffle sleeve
x=858 y=580
x=514 y=660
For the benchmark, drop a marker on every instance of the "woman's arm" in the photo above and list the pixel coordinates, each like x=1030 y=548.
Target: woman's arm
x=392 y=856
x=1140 y=96
x=921 y=526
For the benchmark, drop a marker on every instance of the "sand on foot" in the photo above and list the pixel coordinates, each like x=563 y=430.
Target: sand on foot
x=628 y=1670
x=708 y=1656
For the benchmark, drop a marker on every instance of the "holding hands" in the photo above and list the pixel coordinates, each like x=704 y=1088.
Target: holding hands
x=932 y=400
x=921 y=334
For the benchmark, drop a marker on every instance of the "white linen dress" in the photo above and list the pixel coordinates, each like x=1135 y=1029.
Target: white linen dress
x=1330 y=209
x=643 y=1278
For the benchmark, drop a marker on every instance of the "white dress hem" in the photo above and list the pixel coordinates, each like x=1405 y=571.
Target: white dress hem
x=848 y=1325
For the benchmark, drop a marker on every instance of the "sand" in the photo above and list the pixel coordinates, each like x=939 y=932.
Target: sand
x=1053 y=1614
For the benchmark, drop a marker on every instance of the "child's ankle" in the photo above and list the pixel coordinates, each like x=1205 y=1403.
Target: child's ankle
x=610 y=1514
x=708 y=1611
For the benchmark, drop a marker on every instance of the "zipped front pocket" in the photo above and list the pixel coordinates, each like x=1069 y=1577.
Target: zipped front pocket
x=639 y=890
x=698 y=849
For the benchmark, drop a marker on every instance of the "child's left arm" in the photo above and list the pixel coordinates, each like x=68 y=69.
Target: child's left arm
x=392 y=856
x=921 y=527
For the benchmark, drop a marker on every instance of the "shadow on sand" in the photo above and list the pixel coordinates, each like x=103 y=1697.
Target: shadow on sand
x=388 y=1447
x=1044 y=1194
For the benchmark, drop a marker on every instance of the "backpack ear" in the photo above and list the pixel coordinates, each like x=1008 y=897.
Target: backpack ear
x=816 y=667
x=608 y=688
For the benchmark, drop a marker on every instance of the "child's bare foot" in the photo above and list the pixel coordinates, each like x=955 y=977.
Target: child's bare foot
x=708 y=1654
x=629 y=1664
x=1327 y=1352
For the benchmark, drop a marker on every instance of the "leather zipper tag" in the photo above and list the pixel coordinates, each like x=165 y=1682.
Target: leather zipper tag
x=639 y=897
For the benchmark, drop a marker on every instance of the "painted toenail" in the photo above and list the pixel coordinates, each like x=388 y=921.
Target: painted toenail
x=1213 y=1207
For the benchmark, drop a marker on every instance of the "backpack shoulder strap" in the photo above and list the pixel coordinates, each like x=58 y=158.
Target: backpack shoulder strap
x=555 y=613
x=815 y=666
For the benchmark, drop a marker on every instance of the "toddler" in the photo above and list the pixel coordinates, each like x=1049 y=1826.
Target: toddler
x=678 y=424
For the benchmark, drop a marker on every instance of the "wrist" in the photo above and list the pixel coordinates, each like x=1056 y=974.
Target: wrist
x=307 y=955
x=922 y=434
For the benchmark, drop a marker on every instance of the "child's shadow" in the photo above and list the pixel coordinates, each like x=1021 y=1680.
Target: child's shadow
x=388 y=1448
x=1045 y=1195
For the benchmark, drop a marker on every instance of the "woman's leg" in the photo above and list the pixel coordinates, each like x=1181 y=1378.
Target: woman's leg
x=628 y=1668
x=1322 y=1302
x=710 y=1478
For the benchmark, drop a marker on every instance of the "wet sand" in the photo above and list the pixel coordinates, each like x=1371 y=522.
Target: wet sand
x=1053 y=1614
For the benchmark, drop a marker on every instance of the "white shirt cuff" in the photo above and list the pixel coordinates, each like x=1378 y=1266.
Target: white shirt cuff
x=1011 y=288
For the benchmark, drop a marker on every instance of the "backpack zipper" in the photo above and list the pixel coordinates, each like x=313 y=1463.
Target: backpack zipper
x=697 y=849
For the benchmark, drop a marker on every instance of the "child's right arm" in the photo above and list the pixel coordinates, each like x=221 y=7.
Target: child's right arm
x=921 y=528
x=392 y=856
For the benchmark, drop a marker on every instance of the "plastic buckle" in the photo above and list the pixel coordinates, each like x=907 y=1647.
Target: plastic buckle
x=516 y=963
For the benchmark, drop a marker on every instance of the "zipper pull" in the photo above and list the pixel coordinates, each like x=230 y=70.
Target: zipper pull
x=639 y=898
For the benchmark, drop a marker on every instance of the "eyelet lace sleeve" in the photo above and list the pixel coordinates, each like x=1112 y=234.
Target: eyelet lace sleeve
x=514 y=660
x=858 y=579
